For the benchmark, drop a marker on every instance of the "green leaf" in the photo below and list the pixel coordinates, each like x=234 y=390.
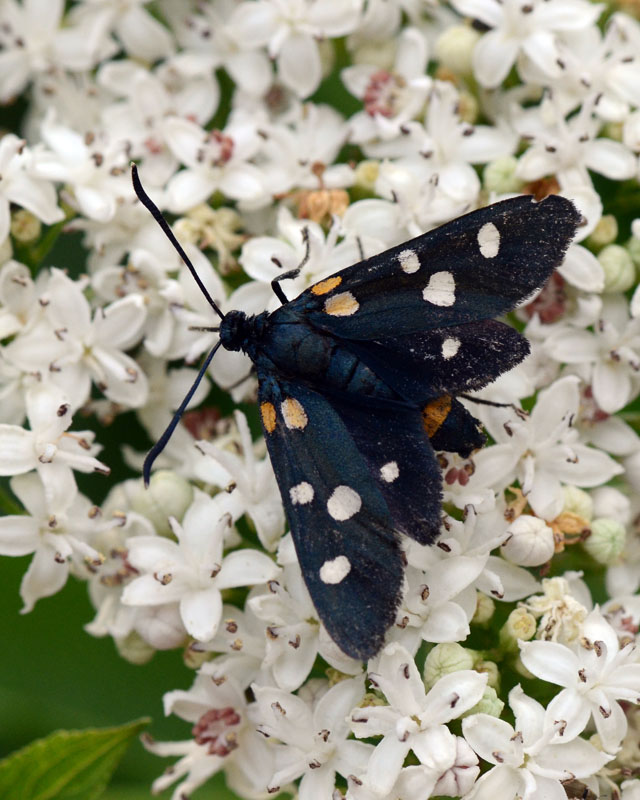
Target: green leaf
x=67 y=765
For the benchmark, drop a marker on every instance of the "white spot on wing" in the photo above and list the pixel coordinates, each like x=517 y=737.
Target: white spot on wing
x=450 y=347
x=301 y=494
x=335 y=571
x=489 y=240
x=389 y=471
x=441 y=289
x=343 y=503
x=343 y=304
x=294 y=415
x=409 y=261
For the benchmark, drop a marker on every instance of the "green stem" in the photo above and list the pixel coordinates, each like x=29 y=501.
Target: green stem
x=8 y=506
x=34 y=255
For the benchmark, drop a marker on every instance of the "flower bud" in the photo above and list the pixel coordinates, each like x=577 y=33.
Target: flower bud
x=633 y=248
x=380 y=54
x=194 y=657
x=605 y=232
x=500 y=175
x=485 y=607
x=606 y=542
x=168 y=495
x=520 y=625
x=619 y=271
x=446 y=658
x=490 y=669
x=489 y=703
x=454 y=48
x=134 y=649
x=25 y=226
x=366 y=174
x=6 y=250
x=611 y=503
x=578 y=502
x=530 y=543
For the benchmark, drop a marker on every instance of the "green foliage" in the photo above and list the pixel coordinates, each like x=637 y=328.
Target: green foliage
x=67 y=765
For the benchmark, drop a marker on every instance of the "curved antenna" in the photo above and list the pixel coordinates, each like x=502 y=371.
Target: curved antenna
x=162 y=222
x=159 y=446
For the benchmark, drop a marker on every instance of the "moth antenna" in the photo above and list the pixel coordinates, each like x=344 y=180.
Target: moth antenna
x=159 y=446
x=360 y=248
x=155 y=212
x=292 y=273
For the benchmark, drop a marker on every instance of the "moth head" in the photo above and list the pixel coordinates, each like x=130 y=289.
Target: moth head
x=234 y=330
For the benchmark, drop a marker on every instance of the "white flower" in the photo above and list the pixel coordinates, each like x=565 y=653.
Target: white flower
x=301 y=152
x=608 y=357
x=215 y=161
x=34 y=40
x=145 y=99
x=294 y=633
x=57 y=531
x=193 y=570
x=415 y=720
x=290 y=29
x=543 y=451
x=391 y=97
x=47 y=447
x=94 y=167
x=313 y=735
x=569 y=148
x=263 y=258
x=561 y=608
x=19 y=185
x=530 y=30
x=137 y=29
x=252 y=483
x=529 y=764
x=76 y=349
x=596 y=673
x=223 y=737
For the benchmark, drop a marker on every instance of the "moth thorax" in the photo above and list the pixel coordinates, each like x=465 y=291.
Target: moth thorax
x=238 y=331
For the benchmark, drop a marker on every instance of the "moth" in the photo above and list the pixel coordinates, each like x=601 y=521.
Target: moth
x=358 y=379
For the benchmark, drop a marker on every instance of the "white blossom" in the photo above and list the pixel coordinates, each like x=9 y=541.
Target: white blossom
x=595 y=674
x=193 y=571
x=529 y=760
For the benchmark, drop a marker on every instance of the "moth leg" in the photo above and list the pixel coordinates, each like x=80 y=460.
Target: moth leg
x=291 y=273
x=520 y=412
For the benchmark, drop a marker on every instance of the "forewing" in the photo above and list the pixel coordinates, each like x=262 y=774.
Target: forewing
x=341 y=526
x=476 y=267
x=425 y=365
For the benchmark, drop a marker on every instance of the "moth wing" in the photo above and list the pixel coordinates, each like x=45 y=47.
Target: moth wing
x=395 y=446
x=445 y=361
x=476 y=267
x=341 y=526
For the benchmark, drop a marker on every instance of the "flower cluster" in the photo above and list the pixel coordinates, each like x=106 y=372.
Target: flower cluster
x=275 y=132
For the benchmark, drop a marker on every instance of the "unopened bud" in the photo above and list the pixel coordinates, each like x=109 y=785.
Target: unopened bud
x=531 y=542
x=454 y=48
x=577 y=501
x=444 y=659
x=499 y=176
x=619 y=270
x=606 y=542
x=168 y=495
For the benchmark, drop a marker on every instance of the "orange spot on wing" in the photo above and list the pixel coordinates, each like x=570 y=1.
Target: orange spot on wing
x=435 y=413
x=268 y=414
x=326 y=286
